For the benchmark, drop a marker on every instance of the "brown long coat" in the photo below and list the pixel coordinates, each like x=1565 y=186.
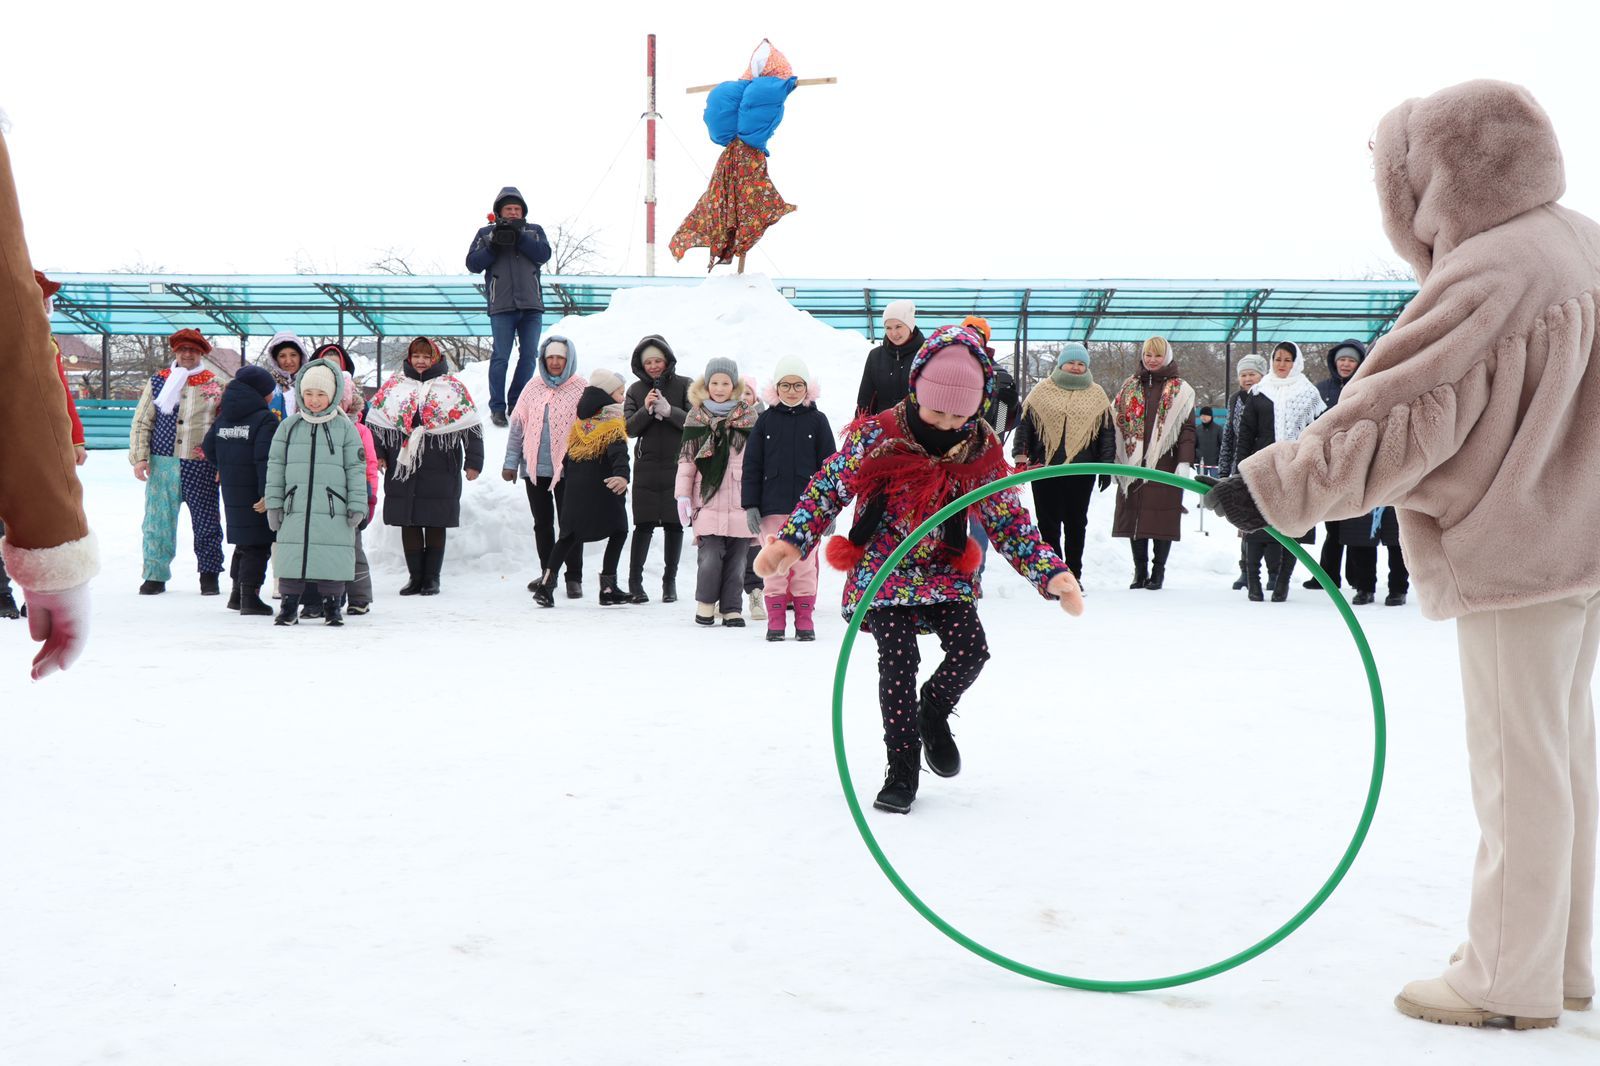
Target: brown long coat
x=47 y=544
x=1148 y=510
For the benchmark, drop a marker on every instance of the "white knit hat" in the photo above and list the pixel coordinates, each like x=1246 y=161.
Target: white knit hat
x=791 y=366
x=320 y=376
x=606 y=381
x=901 y=311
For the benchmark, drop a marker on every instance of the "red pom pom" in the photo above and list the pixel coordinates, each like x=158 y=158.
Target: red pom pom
x=971 y=556
x=843 y=555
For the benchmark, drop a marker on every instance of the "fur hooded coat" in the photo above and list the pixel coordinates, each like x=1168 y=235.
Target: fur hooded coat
x=1479 y=414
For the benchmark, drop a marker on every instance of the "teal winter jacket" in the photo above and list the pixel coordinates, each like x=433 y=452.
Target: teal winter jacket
x=317 y=476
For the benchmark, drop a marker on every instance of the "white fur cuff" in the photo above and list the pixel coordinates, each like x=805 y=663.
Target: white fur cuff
x=53 y=569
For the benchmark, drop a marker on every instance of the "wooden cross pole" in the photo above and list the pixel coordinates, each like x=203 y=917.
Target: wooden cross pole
x=799 y=83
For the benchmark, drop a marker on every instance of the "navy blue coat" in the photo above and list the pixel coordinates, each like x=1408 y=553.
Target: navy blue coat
x=787 y=446
x=237 y=444
x=511 y=272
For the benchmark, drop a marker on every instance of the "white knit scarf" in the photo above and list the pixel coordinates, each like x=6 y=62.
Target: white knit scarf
x=172 y=391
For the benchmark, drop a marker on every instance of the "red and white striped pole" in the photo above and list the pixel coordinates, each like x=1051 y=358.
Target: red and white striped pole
x=650 y=162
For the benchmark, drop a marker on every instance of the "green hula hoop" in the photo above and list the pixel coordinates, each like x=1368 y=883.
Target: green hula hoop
x=1089 y=984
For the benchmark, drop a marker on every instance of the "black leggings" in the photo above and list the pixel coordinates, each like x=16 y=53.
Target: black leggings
x=672 y=549
x=1062 y=507
x=421 y=538
x=570 y=548
x=966 y=649
x=546 y=505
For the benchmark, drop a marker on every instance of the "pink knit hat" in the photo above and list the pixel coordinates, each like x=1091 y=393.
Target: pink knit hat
x=951 y=381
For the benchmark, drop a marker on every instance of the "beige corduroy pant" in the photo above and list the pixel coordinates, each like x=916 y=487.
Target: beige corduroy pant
x=1527 y=675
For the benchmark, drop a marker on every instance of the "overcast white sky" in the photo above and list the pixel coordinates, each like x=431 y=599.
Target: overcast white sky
x=971 y=140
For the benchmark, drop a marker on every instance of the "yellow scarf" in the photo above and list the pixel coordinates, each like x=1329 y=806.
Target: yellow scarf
x=590 y=437
x=1066 y=417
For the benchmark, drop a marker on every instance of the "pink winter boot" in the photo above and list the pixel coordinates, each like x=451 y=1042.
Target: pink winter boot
x=777 y=616
x=804 y=627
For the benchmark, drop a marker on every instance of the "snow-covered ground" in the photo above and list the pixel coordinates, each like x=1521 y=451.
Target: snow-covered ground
x=464 y=830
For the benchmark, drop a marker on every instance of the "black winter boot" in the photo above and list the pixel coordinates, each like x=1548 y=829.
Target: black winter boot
x=1284 y=573
x=250 y=603
x=671 y=549
x=575 y=587
x=8 y=604
x=544 y=590
x=1395 y=599
x=1158 y=572
x=610 y=594
x=1240 y=582
x=900 y=782
x=1141 y=562
x=331 y=614
x=414 y=567
x=432 y=563
x=233 y=598
x=1252 y=570
x=288 y=612
x=209 y=586
x=638 y=551
x=152 y=588
x=1362 y=599
x=669 y=589
x=933 y=723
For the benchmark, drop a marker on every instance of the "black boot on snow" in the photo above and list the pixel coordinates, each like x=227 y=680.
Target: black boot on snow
x=152 y=588
x=1362 y=599
x=414 y=566
x=1240 y=582
x=331 y=614
x=8 y=605
x=933 y=722
x=209 y=586
x=250 y=603
x=288 y=612
x=575 y=588
x=669 y=589
x=233 y=598
x=1395 y=599
x=432 y=564
x=610 y=594
x=544 y=590
x=900 y=782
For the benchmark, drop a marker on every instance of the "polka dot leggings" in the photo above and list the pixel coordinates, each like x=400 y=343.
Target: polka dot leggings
x=966 y=649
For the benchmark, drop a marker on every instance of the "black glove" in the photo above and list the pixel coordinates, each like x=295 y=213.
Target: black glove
x=1231 y=499
x=1105 y=482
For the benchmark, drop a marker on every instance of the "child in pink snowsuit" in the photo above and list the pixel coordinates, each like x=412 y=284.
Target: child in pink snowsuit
x=790 y=442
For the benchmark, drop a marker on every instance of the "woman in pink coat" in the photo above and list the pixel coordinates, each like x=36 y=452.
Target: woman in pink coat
x=708 y=488
x=1479 y=416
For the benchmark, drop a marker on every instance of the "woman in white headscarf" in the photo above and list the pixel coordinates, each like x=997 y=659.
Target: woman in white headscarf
x=1280 y=407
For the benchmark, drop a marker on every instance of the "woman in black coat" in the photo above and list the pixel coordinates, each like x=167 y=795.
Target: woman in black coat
x=595 y=473
x=885 y=377
x=237 y=445
x=1065 y=412
x=422 y=479
x=654 y=410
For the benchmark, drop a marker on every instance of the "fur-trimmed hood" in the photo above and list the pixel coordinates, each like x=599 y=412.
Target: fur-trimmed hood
x=699 y=394
x=1464 y=160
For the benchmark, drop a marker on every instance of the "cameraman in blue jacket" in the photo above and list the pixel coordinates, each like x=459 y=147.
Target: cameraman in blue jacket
x=508 y=253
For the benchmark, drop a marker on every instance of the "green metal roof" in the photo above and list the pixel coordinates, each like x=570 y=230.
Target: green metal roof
x=453 y=305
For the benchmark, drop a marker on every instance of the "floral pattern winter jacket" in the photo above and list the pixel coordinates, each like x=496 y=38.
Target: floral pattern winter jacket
x=927 y=575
